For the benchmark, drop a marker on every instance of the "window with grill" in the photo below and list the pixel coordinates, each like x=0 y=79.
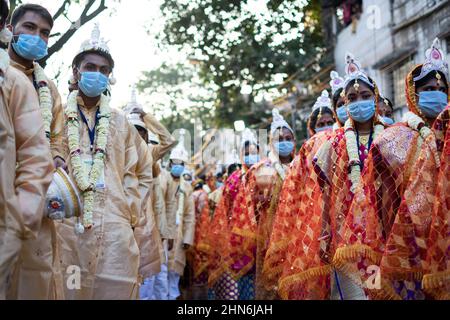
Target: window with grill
x=398 y=78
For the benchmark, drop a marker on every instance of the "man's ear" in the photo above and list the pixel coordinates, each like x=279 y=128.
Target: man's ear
x=10 y=27
x=75 y=74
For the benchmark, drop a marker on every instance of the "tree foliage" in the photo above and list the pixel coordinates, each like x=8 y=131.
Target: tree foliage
x=246 y=48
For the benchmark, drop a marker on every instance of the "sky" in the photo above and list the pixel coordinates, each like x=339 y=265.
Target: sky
x=125 y=26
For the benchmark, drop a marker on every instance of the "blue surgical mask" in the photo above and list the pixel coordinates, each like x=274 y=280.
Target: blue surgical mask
x=251 y=159
x=177 y=170
x=93 y=84
x=30 y=47
x=388 y=121
x=342 y=114
x=361 y=111
x=324 y=129
x=432 y=103
x=284 y=148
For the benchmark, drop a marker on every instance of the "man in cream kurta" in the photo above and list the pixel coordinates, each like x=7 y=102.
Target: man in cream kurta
x=38 y=274
x=25 y=164
x=105 y=258
x=146 y=232
x=179 y=203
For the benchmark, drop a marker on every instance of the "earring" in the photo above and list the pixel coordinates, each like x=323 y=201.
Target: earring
x=438 y=77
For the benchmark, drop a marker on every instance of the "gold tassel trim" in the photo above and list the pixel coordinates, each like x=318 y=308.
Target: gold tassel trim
x=289 y=281
x=244 y=233
x=386 y=292
x=351 y=253
x=436 y=280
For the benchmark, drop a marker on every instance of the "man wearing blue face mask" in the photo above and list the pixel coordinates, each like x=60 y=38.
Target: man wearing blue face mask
x=105 y=164
x=179 y=202
x=31 y=26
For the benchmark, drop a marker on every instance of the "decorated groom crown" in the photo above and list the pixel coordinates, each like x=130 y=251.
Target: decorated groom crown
x=62 y=198
x=179 y=152
x=353 y=71
x=96 y=44
x=434 y=61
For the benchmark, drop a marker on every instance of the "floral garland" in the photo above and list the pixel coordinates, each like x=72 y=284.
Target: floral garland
x=45 y=98
x=353 y=151
x=416 y=123
x=86 y=181
x=180 y=208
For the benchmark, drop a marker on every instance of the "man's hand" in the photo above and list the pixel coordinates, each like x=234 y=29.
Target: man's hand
x=59 y=163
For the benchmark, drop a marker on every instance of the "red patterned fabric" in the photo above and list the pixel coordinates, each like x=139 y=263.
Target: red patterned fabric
x=325 y=202
x=201 y=246
x=436 y=280
x=292 y=193
x=389 y=223
x=219 y=227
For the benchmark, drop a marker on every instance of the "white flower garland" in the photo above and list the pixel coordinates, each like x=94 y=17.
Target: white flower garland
x=180 y=208
x=353 y=150
x=416 y=123
x=45 y=98
x=86 y=181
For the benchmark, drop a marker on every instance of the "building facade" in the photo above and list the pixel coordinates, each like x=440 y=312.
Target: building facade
x=389 y=37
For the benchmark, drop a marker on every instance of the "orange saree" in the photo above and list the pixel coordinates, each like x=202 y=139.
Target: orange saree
x=388 y=226
x=289 y=202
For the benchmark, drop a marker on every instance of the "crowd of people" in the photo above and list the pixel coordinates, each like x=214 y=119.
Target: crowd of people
x=89 y=209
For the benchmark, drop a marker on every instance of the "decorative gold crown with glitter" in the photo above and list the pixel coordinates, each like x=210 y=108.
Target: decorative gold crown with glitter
x=336 y=83
x=434 y=61
x=353 y=71
x=322 y=101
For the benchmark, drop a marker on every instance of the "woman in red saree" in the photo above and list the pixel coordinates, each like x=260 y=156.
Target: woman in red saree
x=308 y=271
x=388 y=225
x=198 y=255
x=252 y=218
x=219 y=278
x=293 y=190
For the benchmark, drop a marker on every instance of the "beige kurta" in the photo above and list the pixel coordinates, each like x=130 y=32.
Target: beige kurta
x=186 y=222
x=153 y=222
x=146 y=233
x=169 y=204
x=108 y=255
x=25 y=165
x=166 y=140
x=38 y=274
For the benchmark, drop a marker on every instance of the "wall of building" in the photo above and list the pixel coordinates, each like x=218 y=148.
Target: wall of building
x=371 y=41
